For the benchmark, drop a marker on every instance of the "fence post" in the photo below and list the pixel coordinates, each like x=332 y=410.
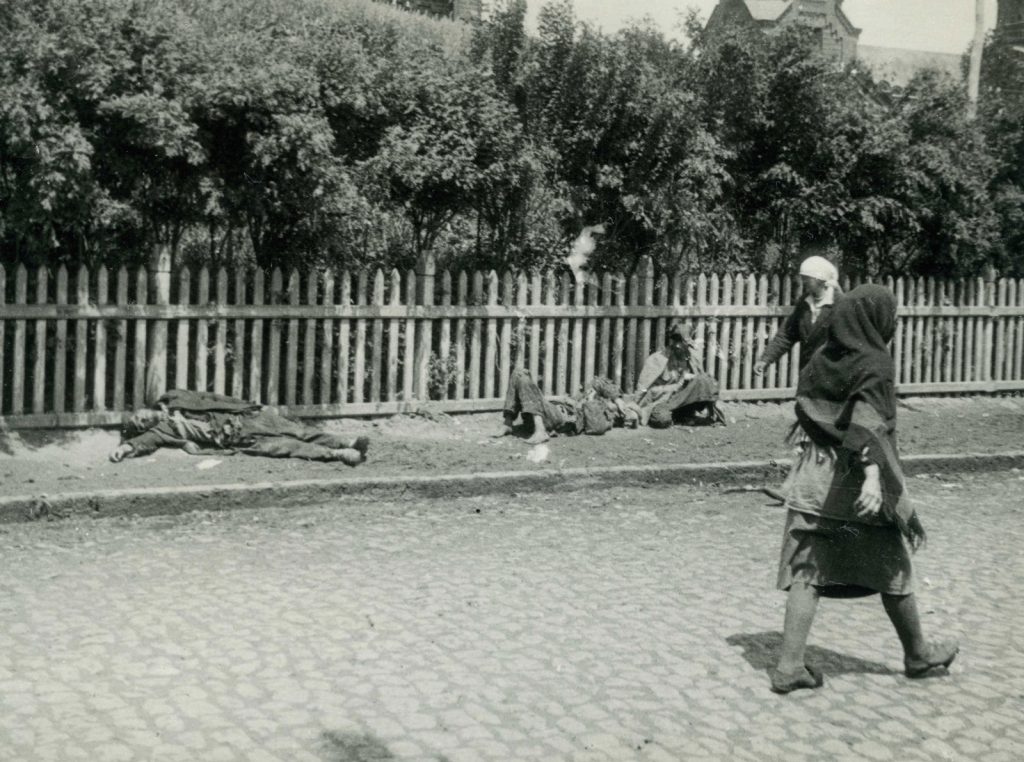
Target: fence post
x=426 y=268
x=160 y=285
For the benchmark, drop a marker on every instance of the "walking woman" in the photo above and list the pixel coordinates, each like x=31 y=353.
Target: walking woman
x=807 y=324
x=850 y=529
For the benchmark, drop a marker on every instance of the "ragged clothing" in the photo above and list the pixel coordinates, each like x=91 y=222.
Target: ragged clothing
x=669 y=385
x=208 y=420
x=807 y=325
x=593 y=411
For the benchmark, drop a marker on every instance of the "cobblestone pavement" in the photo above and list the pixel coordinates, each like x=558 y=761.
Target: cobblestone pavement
x=616 y=625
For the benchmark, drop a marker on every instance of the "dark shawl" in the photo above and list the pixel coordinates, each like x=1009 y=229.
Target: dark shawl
x=846 y=396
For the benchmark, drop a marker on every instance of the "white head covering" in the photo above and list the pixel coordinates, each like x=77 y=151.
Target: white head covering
x=822 y=269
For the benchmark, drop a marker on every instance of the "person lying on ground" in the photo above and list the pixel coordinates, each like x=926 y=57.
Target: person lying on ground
x=593 y=411
x=850 y=528
x=194 y=421
x=807 y=324
x=673 y=387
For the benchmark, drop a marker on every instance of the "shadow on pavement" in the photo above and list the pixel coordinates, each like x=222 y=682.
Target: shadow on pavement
x=760 y=649
x=352 y=747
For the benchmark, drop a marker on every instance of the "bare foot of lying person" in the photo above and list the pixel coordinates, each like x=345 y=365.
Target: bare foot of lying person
x=349 y=456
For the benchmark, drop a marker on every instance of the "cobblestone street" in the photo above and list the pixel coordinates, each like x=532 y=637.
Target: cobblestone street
x=614 y=625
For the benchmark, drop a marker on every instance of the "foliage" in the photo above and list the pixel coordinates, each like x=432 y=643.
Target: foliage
x=348 y=132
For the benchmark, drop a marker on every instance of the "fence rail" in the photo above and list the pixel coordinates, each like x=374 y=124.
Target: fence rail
x=80 y=348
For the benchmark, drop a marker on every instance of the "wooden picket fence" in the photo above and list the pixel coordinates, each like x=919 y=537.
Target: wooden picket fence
x=80 y=349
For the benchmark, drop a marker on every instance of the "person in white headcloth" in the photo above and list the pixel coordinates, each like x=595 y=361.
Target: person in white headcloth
x=808 y=322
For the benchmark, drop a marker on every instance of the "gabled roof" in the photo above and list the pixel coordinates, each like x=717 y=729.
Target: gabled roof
x=767 y=10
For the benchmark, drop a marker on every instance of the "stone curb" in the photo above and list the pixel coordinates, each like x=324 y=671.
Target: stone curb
x=148 y=501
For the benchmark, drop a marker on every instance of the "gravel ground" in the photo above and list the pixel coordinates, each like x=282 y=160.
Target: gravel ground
x=48 y=463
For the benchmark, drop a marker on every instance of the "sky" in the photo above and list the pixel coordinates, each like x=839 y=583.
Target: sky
x=942 y=26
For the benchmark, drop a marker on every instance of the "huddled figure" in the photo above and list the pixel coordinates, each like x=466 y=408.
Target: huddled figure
x=673 y=387
x=194 y=421
x=595 y=410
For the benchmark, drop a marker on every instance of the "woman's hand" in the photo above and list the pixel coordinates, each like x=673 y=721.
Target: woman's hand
x=869 y=503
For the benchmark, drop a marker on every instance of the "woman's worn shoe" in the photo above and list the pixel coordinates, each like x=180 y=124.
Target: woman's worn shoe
x=935 y=655
x=786 y=682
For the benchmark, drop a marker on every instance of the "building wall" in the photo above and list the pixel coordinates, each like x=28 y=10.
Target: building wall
x=837 y=40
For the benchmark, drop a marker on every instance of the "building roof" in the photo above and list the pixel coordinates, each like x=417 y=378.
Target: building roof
x=767 y=10
x=898 y=66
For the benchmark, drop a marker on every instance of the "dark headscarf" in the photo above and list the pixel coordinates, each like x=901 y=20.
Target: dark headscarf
x=846 y=396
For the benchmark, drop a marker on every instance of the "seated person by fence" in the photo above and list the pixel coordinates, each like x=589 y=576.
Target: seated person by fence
x=673 y=387
x=593 y=411
x=193 y=421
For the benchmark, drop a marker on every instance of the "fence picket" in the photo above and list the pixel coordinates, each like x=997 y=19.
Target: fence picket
x=309 y=339
x=39 y=349
x=980 y=328
x=632 y=299
x=576 y=368
x=202 y=346
x=522 y=294
x=221 y=344
x=394 y=329
x=140 y=356
x=238 y=341
x=82 y=349
x=550 y=298
x=713 y=349
x=291 y=364
x=999 y=334
x=460 y=338
x=120 y=343
x=377 y=345
x=761 y=331
x=181 y=331
x=18 y=348
x=99 y=375
x=647 y=295
x=749 y=339
x=425 y=328
x=931 y=333
x=782 y=366
x=359 y=361
x=988 y=351
x=60 y=348
x=960 y=347
x=491 y=349
x=202 y=334
x=897 y=353
x=662 y=298
x=505 y=356
x=327 y=339
x=274 y=348
x=621 y=295
x=590 y=348
x=564 y=299
x=728 y=371
x=606 y=325
x=344 y=336
x=444 y=345
x=256 y=393
x=1018 y=339
x=946 y=325
x=475 y=339
x=409 y=358
x=536 y=297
